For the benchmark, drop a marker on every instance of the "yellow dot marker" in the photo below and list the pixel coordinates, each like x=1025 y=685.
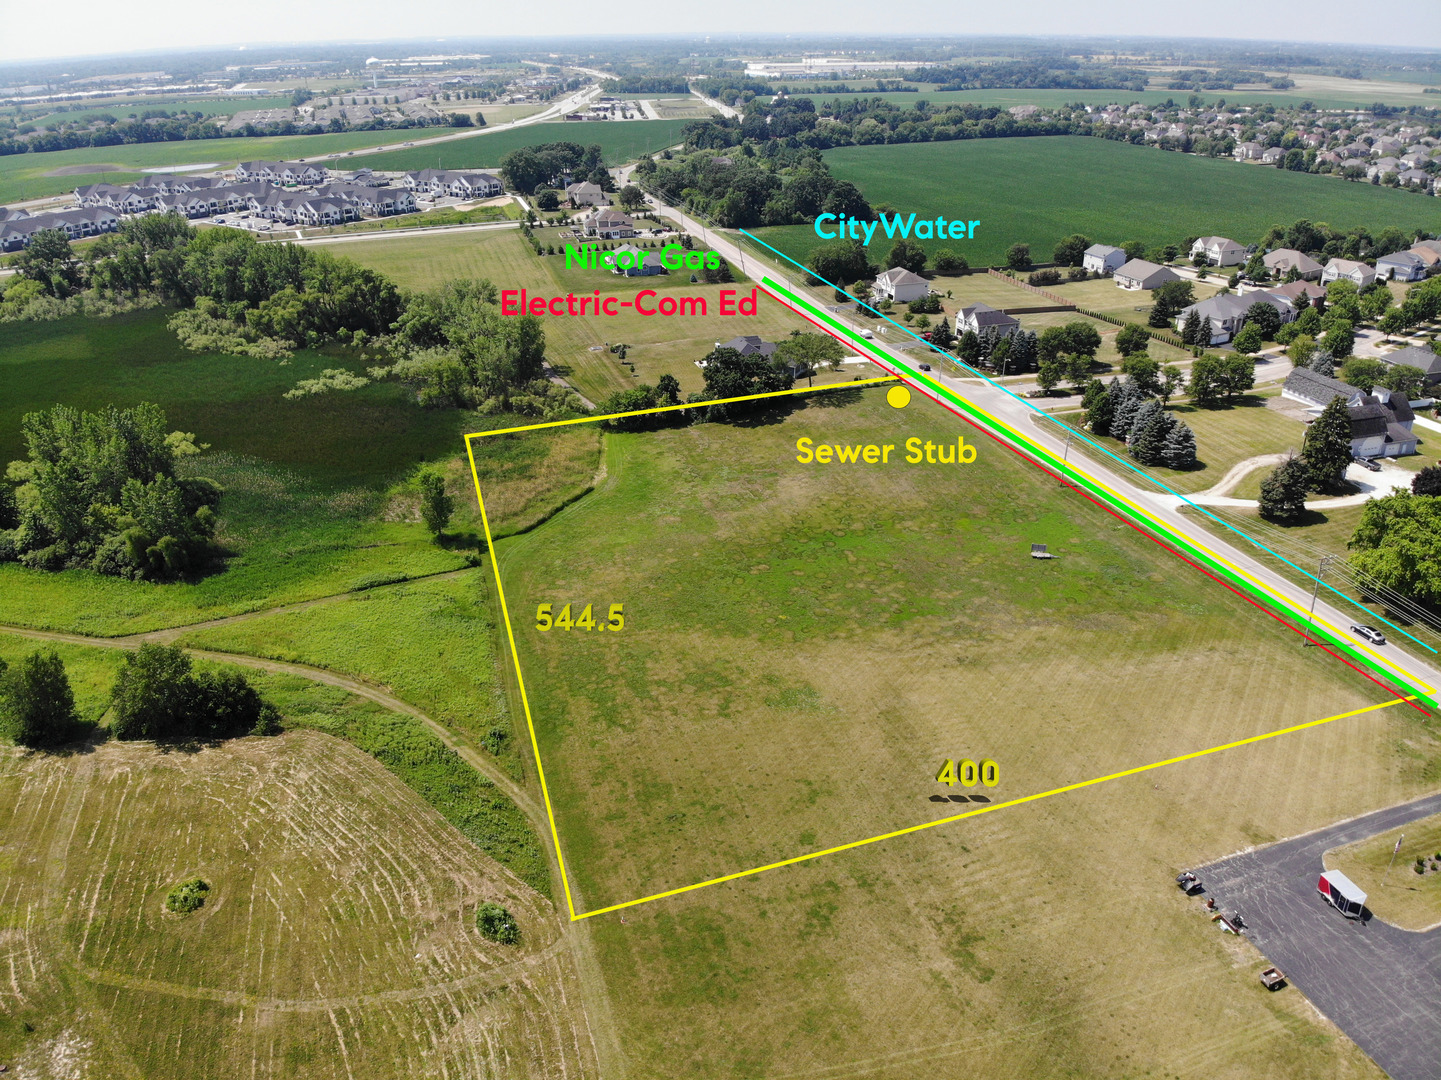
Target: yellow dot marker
x=898 y=397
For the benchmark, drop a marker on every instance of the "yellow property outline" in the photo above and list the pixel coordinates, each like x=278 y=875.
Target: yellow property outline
x=535 y=744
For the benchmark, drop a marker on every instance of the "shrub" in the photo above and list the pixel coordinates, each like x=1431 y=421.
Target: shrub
x=1044 y=277
x=188 y=896
x=495 y=923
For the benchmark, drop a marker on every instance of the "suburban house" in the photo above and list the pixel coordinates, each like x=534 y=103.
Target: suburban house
x=1416 y=356
x=1401 y=266
x=900 y=285
x=1102 y=259
x=748 y=345
x=1429 y=252
x=12 y=213
x=1350 y=270
x=641 y=263
x=1248 y=151
x=1300 y=293
x=979 y=317
x=1219 y=251
x=1140 y=274
x=1281 y=261
x=609 y=225
x=1226 y=312
x=1381 y=421
x=585 y=194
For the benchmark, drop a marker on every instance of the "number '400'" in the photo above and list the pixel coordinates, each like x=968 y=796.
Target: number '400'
x=966 y=772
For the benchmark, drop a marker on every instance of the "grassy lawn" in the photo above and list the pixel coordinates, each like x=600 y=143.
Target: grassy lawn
x=619 y=140
x=32 y=176
x=1105 y=296
x=339 y=931
x=577 y=345
x=309 y=483
x=1224 y=437
x=1403 y=897
x=803 y=645
x=1112 y=192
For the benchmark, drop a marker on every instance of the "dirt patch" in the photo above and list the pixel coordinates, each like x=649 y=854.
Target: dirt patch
x=84 y=170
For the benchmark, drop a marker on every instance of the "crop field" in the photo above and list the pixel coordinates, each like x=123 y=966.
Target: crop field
x=310 y=485
x=619 y=140
x=1401 y=897
x=803 y=645
x=577 y=345
x=1039 y=190
x=34 y=176
x=337 y=940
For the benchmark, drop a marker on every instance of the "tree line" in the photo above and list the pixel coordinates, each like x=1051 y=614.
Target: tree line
x=157 y=694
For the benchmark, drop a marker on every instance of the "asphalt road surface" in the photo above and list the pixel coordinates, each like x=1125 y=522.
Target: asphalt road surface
x=1380 y=985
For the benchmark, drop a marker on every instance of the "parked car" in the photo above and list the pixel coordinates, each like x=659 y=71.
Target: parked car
x=925 y=367
x=1367 y=463
x=1369 y=633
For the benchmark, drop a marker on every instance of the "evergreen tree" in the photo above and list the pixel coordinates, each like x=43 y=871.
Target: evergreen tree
x=1128 y=401
x=1179 y=451
x=1322 y=363
x=1283 y=493
x=1096 y=402
x=37 y=707
x=968 y=347
x=1327 y=446
x=940 y=335
x=1148 y=432
x=1191 y=330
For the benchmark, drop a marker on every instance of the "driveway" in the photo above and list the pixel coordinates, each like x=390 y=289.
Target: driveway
x=1380 y=985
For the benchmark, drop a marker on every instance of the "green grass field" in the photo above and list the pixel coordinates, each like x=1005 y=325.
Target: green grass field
x=1225 y=436
x=310 y=484
x=1401 y=897
x=1039 y=190
x=33 y=176
x=803 y=645
x=337 y=939
x=576 y=345
x=620 y=141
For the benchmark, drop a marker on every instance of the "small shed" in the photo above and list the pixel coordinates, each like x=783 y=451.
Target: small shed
x=1342 y=893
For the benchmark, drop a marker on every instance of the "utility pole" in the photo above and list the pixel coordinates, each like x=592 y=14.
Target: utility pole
x=1392 y=863
x=1066 y=457
x=1326 y=562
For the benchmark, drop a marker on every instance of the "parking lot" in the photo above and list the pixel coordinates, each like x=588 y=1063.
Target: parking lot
x=1380 y=985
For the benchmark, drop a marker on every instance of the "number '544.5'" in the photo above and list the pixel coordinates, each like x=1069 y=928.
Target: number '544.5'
x=544 y=620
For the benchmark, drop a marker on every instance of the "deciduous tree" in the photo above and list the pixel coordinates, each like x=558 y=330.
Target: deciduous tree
x=37 y=706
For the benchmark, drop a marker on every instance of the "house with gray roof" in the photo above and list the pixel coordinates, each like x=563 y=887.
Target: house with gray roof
x=1416 y=356
x=1281 y=261
x=1140 y=274
x=1102 y=259
x=1381 y=421
x=979 y=317
x=1401 y=266
x=1356 y=272
x=900 y=285
x=1226 y=312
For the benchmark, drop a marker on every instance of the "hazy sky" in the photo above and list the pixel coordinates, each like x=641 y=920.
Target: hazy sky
x=31 y=30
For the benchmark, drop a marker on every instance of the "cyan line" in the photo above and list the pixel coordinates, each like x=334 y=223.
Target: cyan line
x=1083 y=438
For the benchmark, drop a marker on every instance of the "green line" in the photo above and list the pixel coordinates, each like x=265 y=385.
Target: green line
x=1094 y=488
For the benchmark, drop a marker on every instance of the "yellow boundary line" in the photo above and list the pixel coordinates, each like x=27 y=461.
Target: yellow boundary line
x=535 y=744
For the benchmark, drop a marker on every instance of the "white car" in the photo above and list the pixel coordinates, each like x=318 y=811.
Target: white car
x=1369 y=633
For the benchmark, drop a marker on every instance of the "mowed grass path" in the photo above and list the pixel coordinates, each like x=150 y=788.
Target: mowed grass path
x=803 y=646
x=1038 y=190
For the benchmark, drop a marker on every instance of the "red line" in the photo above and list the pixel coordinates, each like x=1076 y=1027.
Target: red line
x=1294 y=627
